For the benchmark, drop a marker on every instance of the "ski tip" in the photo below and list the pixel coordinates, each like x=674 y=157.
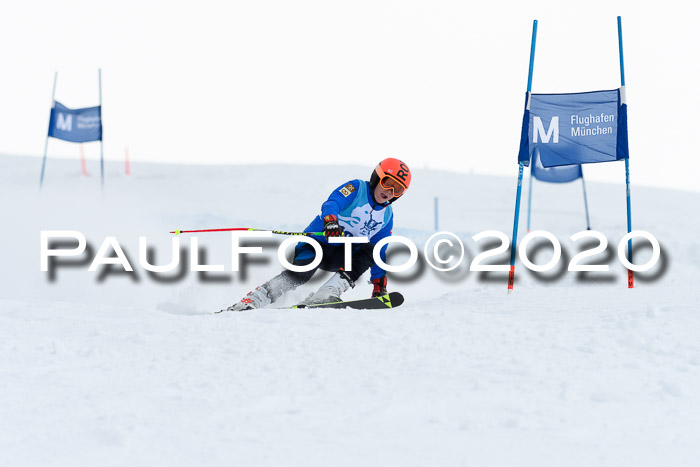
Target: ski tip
x=396 y=299
x=176 y=232
x=391 y=300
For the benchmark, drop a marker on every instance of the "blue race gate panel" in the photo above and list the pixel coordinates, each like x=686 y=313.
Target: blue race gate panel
x=577 y=128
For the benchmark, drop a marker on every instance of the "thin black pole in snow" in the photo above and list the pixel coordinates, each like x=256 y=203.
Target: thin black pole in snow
x=585 y=201
x=46 y=145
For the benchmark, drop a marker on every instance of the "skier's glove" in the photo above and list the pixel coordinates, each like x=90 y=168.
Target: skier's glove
x=379 y=286
x=331 y=228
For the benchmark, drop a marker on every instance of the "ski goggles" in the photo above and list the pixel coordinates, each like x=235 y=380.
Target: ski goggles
x=390 y=183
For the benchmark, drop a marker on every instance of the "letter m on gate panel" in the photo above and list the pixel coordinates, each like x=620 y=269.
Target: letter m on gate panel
x=551 y=133
x=64 y=122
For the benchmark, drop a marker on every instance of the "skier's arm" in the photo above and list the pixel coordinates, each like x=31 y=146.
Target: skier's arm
x=340 y=198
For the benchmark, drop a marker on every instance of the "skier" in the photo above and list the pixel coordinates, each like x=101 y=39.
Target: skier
x=357 y=208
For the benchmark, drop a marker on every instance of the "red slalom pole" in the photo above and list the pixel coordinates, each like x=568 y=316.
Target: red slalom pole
x=127 y=168
x=83 y=164
x=280 y=232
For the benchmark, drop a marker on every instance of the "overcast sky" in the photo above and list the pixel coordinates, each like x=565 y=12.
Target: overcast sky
x=439 y=84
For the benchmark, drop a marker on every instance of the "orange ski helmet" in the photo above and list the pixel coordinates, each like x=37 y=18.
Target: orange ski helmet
x=393 y=175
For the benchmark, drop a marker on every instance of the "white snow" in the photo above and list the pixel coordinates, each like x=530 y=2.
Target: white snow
x=121 y=369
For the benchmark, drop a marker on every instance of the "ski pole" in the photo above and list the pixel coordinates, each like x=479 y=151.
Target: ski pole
x=280 y=232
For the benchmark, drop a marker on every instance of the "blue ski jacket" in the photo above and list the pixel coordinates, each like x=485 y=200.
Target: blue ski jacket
x=361 y=216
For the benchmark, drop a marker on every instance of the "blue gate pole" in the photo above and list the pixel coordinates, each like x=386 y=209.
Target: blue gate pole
x=630 y=274
x=529 y=200
x=46 y=146
x=102 y=158
x=436 y=213
x=511 y=273
x=585 y=202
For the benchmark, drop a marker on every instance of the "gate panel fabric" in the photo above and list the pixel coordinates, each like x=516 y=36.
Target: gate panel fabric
x=560 y=174
x=577 y=128
x=76 y=125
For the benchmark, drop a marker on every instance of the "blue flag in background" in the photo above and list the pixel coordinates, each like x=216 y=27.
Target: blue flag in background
x=579 y=128
x=560 y=174
x=76 y=125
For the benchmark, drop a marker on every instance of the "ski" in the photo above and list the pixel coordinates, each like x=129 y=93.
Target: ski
x=391 y=300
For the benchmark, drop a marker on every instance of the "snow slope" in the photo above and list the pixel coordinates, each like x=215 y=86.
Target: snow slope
x=113 y=368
